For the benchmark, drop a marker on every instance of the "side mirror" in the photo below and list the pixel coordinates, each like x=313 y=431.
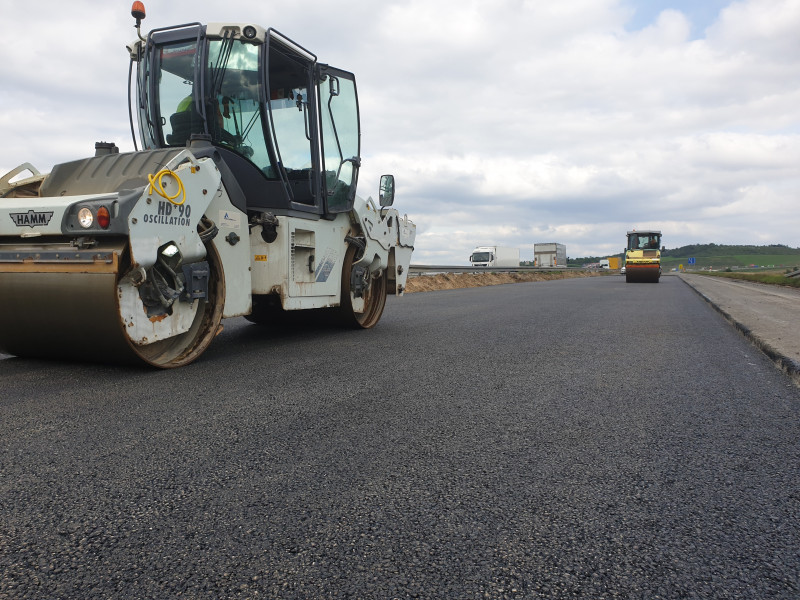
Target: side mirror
x=386 y=191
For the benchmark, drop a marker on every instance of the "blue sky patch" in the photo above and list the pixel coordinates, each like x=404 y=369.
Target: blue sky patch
x=701 y=13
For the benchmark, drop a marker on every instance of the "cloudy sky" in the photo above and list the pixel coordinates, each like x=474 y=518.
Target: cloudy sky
x=505 y=122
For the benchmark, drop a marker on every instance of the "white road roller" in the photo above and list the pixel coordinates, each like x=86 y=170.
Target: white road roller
x=242 y=201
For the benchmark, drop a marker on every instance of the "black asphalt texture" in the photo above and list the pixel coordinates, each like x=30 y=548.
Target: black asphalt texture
x=584 y=438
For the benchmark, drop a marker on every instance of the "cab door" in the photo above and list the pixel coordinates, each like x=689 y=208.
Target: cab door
x=341 y=137
x=316 y=246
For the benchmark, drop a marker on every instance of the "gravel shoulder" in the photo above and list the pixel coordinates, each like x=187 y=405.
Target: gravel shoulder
x=452 y=281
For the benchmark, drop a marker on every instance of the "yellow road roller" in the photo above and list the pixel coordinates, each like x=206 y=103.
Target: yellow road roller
x=643 y=256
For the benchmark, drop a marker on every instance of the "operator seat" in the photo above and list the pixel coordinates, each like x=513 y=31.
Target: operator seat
x=184 y=124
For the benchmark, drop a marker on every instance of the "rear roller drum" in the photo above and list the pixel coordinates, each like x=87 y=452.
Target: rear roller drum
x=360 y=310
x=365 y=311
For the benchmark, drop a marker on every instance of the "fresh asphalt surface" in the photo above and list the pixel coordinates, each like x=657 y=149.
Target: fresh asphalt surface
x=568 y=439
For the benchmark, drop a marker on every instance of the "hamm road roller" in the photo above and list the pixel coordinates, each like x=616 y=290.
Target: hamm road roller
x=643 y=257
x=241 y=201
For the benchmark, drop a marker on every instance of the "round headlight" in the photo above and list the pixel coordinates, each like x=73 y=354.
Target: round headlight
x=249 y=32
x=85 y=217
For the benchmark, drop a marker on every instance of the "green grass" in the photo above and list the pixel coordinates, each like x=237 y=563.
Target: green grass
x=740 y=261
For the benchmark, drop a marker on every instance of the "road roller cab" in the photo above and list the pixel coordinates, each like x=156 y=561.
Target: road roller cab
x=643 y=257
x=241 y=201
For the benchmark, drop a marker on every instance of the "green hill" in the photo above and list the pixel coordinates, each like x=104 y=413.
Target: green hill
x=720 y=256
x=717 y=256
x=707 y=250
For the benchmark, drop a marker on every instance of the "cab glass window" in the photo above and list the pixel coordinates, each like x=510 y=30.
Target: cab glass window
x=179 y=119
x=289 y=112
x=232 y=102
x=340 y=136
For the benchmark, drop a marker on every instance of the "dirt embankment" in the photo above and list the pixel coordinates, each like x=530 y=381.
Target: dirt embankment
x=451 y=281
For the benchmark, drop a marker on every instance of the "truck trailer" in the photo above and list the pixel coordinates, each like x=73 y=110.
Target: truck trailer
x=549 y=255
x=494 y=256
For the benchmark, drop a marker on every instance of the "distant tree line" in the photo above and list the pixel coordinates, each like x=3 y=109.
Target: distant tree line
x=728 y=250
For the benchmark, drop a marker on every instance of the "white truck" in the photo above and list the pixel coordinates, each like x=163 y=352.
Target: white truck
x=494 y=256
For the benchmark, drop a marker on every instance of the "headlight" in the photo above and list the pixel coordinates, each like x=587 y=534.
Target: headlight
x=85 y=217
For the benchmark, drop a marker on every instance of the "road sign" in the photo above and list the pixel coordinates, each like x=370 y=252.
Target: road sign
x=691 y=261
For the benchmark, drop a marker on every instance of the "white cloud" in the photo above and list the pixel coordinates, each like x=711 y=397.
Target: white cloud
x=510 y=122
x=764 y=29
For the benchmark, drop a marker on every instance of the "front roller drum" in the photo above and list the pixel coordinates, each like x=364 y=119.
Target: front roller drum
x=77 y=316
x=645 y=274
